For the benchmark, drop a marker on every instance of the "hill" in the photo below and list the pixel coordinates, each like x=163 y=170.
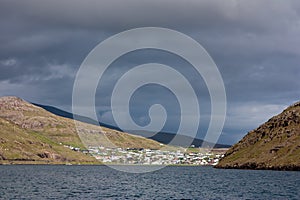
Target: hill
x=161 y=137
x=19 y=146
x=30 y=134
x=273 y=145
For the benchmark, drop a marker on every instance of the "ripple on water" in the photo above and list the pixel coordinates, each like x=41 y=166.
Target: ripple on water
x=101 y=182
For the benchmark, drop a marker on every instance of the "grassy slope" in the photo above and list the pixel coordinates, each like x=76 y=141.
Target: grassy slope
x=27 y=130
x=273 y=145
x=20 y=145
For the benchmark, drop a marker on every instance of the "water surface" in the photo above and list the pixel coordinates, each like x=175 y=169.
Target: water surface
x=174 y=182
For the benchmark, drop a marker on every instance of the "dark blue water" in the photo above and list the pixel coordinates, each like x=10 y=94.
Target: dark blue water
x=101 y=182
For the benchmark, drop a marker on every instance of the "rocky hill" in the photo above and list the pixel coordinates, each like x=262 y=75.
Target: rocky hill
x=30 y=134
x=273 y=145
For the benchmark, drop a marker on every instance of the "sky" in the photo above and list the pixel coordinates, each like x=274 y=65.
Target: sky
x=255 y=45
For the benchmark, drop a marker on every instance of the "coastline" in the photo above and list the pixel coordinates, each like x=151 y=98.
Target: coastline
x=93 y=163
x=248 y=166
x=260 y=166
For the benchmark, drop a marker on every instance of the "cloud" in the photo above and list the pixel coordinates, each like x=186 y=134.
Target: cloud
x=8 y=62
x=255 y=45
x=244 y=116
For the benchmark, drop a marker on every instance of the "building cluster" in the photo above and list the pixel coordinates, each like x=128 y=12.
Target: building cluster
x=153 y=157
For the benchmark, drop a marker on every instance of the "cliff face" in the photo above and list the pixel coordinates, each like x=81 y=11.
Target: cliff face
x=31 y=134
x=273 y=145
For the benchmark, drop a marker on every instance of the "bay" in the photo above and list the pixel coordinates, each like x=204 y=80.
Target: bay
x=172 y=182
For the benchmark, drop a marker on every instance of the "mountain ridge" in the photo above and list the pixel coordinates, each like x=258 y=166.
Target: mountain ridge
x=161 y=137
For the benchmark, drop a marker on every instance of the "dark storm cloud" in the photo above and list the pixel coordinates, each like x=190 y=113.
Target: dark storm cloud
x=255 y=44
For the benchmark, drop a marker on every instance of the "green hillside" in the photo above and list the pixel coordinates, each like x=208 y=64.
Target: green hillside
x=19 y=145
x=30 y=134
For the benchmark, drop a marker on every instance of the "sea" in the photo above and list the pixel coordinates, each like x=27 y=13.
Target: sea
x=172 y=182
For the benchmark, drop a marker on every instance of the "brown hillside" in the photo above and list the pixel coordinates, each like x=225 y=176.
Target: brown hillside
x=273 y=145
x=30 y=133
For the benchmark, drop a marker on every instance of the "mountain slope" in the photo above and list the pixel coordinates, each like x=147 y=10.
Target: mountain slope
x=161 y=137
x=273 y=145
x=19 y=145
x=30 y=133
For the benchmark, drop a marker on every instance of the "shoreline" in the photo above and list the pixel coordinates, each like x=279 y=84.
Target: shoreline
x=271 y=168
x=95 y=164
x=254 y=166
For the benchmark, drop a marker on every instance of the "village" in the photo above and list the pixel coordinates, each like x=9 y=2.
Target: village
x=154 y=157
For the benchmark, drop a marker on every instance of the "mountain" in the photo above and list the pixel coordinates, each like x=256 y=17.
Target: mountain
x=69 y=115
x=161 y=137
x=273 y=145
x=30 y=134
x=166 y=138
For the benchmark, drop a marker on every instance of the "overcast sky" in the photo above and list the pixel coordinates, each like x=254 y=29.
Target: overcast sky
x=255 y=44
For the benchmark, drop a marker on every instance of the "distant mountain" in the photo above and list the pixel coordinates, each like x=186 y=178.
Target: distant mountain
x=69 y=115
x=31 y=134
x=162 y=137
x=273 y=145
x=166 y=138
